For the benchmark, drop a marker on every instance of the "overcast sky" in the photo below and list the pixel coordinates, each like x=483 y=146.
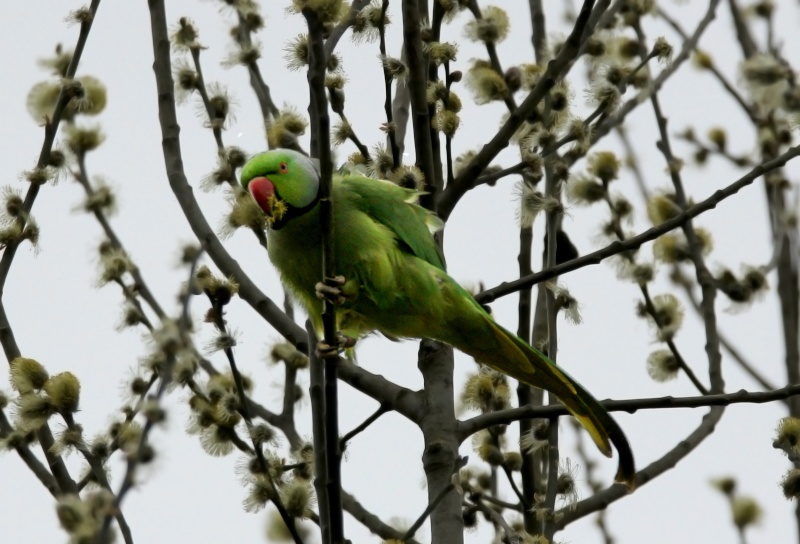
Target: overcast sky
x=60 y=318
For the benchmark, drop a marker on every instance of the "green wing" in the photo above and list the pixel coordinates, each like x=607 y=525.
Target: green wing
x=393 y=207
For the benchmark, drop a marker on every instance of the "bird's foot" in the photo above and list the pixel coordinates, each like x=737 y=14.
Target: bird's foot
x=331 y=290
x=326 y=351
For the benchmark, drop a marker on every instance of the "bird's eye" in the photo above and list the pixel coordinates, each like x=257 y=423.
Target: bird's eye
x=283 y=167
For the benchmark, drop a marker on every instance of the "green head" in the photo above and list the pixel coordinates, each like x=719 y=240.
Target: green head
x=284 y=183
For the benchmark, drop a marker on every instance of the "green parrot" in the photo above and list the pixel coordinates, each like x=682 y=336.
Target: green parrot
x=395 y=280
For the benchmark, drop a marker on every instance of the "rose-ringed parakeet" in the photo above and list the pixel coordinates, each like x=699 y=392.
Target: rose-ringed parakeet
x=395 y=279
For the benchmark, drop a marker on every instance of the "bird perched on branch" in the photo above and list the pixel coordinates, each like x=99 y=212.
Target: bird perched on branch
x=393 y=279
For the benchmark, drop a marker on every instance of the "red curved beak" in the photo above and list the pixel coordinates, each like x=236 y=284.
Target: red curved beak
x=262 y=191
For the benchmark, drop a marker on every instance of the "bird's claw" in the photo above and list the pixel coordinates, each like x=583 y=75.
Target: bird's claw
x=331 y=290
x=326 y=351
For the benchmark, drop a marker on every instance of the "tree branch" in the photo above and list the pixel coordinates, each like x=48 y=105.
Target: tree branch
x=171 y=147
x=316 y=392
x=370 y=520
x=321 y=149
x=29 y=458
x=616 y=118
x=363 y=426
x=440 y=453
x=601 y=500
x=471 y=426
x=339 y=30
x=635 y=242
x=417 y=81
x=404 y=401
x=555 y=68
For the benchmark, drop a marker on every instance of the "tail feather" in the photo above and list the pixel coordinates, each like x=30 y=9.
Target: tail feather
x=512 y=356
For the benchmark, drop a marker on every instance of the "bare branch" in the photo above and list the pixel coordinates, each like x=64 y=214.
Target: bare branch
x=417 y=81
x=555 y=69
x=729 y=88
x=616 y=119
x=635 y=242
x=602 y=499
x=471 y=426
x=316 y=392
x=50 y=132
x=510 y=535
x=363 y=426
x=427 y=512
x=171 y=148
x=404 y=401
x=140 y=454
x=263 y=94
x=45 y=436
x=339 y=30
x=440 y=453
x=370 y=520
x=704 y=277
x=29 y=458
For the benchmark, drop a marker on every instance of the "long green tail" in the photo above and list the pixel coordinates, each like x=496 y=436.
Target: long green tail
x=509 y=354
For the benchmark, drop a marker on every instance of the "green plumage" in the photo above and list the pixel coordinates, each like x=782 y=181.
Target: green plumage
x=396 y=281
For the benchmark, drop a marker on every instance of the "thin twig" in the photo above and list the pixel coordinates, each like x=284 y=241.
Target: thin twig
x=648 y=302
x=494 y=176
x=200 y=87
x=555 y=68
x=471 y=426
x=420 y=114
x=704 y=276
x=522 y=500
x=316 y=392
x=387 y=85
x=491 y=50
x=50 y=132
x=729 y=88
x=635 y=242
x=653 y=312
x=666 y=462
x=505 y=504
x=140 y=285
x=245 y=411
x=263 y=94
x=370 y=520
x=136 y=457
x=496 y=517
x=98 y=471
x=339 y=30
x=552 y=190
x=427 y=512
x=28 y=457
x=45 y=436
x=362 y=427
x=616 y=119
x=746 y=365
